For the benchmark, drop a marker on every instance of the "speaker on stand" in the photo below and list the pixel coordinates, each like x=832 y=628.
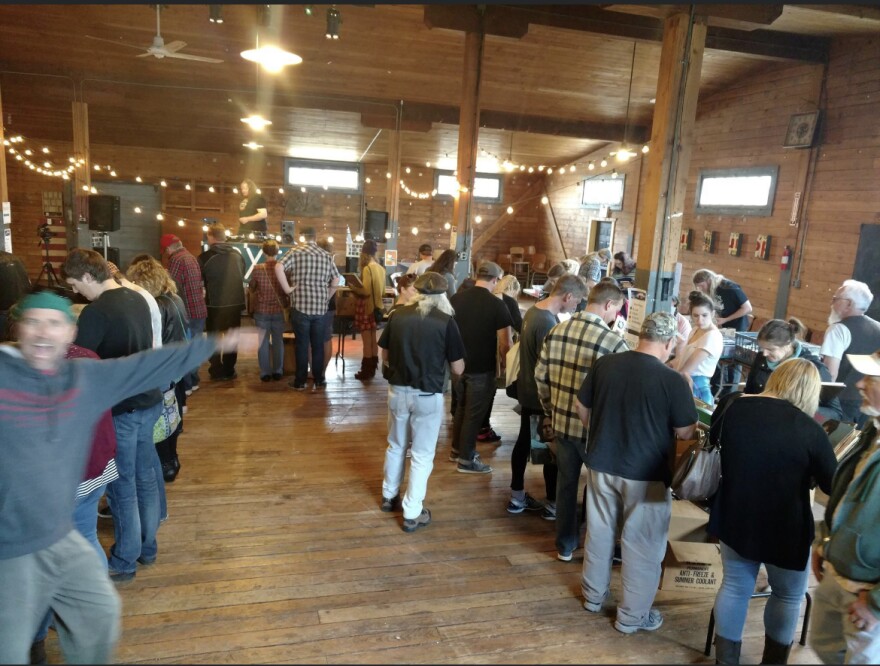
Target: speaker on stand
x=288 y=232
x=375 y=225
x=104 y=212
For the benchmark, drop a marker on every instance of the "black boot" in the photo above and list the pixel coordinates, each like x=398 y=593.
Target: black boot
x=775 y=653
x=726 y=651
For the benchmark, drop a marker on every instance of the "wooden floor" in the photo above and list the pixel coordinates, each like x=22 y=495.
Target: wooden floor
x=276 y=551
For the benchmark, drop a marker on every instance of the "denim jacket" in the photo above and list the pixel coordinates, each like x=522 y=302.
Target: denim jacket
x=853 y=544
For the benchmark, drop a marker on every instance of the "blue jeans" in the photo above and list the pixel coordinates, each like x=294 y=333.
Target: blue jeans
x=474 y=394
x=85 y=520
x=702 y=390
x=134 y=497
x=788 y=588
x=309 y=332
x=196 y=330
x=271 y=361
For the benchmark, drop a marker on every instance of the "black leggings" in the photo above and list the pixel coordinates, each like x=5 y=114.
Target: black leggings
x=519 y=458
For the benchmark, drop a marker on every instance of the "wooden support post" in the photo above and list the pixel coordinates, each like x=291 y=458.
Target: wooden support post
x=4 y=186
x=82 y=175
x=468 y=134
x=659 y=220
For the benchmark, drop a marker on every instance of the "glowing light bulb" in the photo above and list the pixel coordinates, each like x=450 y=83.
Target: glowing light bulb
x=478 y=219
x=603 y=163
x=137 y=209
x=510 y=210
x=329 y=239
x=138 y=179
x=545 y=200
x=160 y=217
x=181 y=223
x=415 y=231
x=163 y=183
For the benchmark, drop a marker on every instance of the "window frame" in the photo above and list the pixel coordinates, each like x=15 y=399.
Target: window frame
x=594 y=205
x=480 y=174
x=290 y=162
x=738 y=172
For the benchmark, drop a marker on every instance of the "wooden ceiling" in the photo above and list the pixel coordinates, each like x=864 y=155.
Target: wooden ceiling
x=555 y=79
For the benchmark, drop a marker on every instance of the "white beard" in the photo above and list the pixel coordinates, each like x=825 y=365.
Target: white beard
x=873 y=412
x=833 y=318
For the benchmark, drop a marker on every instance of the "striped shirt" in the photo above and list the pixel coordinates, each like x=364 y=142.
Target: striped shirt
x=568 y=352
x=184 y=269
x=311 y=272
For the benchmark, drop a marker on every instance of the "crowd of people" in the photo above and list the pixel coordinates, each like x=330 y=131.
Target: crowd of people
x=615 y=410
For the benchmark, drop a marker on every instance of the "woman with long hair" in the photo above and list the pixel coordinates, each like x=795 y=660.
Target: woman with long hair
x=779 y=341
x=704 y=347
x=269 y=303
x=368 y=307
x=624 y=267
x=406 y=290
x=148 y=273
x=445 y=266
x=772 y=450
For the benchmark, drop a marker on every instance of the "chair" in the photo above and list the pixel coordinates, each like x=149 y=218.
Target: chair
x=518 y=264
x=539 y=268
x=806 y=625
x=505 y=261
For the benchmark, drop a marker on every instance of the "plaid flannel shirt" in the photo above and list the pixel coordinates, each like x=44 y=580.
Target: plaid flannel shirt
x=311 y=272
x=186 y=272
x=568 y=352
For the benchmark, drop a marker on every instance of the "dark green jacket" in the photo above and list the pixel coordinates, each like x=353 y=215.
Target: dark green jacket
x=853 y=547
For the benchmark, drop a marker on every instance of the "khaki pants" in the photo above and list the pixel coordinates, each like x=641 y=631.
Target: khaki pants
x=639 y=511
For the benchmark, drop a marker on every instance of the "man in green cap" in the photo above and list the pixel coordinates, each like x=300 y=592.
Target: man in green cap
x=49 y=407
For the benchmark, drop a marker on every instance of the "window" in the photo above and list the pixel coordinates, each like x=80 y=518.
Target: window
x=339 y=176
x=487 y=186
x=603 y=191
x=737 y=191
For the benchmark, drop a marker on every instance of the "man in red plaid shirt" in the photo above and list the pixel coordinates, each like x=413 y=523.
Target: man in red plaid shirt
x=184 y=268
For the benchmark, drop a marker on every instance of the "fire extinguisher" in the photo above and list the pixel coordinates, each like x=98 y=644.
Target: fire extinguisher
x=786 y=258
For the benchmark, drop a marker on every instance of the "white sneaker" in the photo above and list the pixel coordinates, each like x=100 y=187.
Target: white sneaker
x=652 y=622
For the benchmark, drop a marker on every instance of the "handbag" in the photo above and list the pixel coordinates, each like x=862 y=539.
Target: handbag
x=698 y=473
x=169 y=418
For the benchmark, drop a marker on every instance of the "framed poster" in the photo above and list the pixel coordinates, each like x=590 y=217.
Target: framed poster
x=734 y=245
x=709 y=241
x=762 y=247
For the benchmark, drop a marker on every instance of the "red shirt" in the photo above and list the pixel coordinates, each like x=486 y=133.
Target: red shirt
x=269 y=294
x=185 y=270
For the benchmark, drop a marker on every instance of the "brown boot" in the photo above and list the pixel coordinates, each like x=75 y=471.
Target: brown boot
x=368 y=369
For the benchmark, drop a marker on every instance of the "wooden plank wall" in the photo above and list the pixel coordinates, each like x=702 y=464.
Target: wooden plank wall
x=573 y=219
x=845 y=192
x=745 y=126
x=224 y=172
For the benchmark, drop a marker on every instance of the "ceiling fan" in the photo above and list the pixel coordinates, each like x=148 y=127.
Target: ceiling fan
x=159 y=49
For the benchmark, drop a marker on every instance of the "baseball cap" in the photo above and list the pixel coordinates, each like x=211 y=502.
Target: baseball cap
x=660 y=325
x=166 y=240
x=430 y=282
x=489 y=269
x=867 y=364
x=45 y=300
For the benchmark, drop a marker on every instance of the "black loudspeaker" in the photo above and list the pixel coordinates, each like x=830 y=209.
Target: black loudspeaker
x=351 y=264
x=376 y=225
x=103 y=212
x=288 y=232
x=112 y=254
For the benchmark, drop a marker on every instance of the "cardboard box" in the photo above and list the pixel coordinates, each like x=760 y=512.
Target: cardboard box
x=691 y=564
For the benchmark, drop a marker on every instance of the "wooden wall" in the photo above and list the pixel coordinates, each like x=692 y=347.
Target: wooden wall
x=339 y=211
x=845 y=192
x=745 y=126
x=574 y=220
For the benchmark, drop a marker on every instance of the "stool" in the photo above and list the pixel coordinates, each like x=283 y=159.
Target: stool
x=289 y=352
x=804 y=628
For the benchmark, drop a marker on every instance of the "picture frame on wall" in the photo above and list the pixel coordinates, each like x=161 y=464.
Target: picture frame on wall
x=686 y=240
x=801 y=130
x=709 y=242
x=762 y=247
x=734 y=245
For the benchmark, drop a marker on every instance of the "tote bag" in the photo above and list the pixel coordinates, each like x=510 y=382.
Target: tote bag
x=698 y=473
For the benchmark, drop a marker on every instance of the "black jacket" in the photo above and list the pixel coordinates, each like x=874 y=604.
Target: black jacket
x=760 y=373
x=223 y=272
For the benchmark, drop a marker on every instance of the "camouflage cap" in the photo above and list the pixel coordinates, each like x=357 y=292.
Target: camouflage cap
x=660 y=325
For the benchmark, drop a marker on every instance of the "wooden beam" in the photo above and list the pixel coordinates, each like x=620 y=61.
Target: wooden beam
x=467 y=18
x=659 y=219
x=762 y=43
x=82 y=175
x=392 y=187
x=744 y=17
x=871 y=13
x=4 y=186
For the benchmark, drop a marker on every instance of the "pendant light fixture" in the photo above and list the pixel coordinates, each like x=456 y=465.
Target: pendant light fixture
x=624 y=152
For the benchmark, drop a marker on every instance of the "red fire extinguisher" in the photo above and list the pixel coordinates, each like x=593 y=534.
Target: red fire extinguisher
x=786 y=258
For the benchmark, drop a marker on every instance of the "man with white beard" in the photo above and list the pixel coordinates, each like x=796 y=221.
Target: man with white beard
x=851 y=331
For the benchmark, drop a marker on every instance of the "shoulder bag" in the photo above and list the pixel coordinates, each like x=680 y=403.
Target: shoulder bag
x=698 y=472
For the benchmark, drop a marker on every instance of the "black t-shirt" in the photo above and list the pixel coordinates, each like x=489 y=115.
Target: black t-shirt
x=635 y=403
x=730 y=298
x=770 y=452
x=249 y=207
x=479 y=315
x=420 y=347
x=117 y=324
x=513 y=309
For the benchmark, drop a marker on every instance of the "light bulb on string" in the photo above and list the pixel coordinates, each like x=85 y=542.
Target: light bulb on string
x=603 y=163
x=510 y=210
x=137 y=209
x=591 y=166
x=545 y=200
x=415 y=231
x=159 y=217
x=478 y=219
